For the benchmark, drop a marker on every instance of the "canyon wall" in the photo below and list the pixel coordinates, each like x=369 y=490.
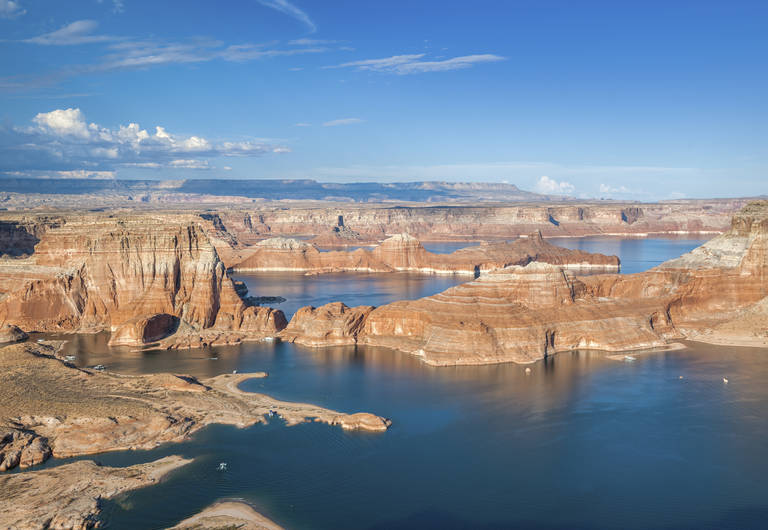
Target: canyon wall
x=373 y=223
x=405 y=253
x=716 y=292
x=97 y=272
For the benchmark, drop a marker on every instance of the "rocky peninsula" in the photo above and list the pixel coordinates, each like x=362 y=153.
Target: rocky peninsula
x=51 y=408
x=403 y=252
x=717 y=292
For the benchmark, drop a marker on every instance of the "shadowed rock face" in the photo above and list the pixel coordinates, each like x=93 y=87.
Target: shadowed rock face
x=108 y=272
x=405 y=253
x=716 y=292
x=144 y=330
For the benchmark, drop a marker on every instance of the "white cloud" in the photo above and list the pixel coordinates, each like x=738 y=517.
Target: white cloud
x=550 y=186
x=412 y=63
x=64 y=122
x=10 y=9
x=291 y=10
x=63 y=138
x=302 y=124
x=78 y=32
x=342 y=121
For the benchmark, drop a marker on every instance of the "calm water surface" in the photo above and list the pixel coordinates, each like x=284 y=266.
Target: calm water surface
x=582 y=442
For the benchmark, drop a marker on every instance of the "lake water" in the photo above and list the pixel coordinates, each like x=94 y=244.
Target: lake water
x=582 y=442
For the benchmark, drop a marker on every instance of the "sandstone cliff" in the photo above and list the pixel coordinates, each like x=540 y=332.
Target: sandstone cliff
x=405 y=253
x=331 y=324
x=372 y=223
x=108 y=272
x=717 y=292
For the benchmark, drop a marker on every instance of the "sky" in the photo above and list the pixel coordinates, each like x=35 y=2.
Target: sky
x=638 y=100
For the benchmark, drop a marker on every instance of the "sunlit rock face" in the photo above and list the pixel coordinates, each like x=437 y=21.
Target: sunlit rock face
x=331 y=324
x=97 y=273
x=518 y=314
x=715 y=293
x=372 y=223
x=403 y=252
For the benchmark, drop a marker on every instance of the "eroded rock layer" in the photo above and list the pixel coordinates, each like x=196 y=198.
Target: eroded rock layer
x=405 y=253
x=121 y=274
x=372 y=223
x=523 y=313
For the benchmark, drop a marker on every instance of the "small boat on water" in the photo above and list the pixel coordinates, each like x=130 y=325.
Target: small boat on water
x=629 y=358
x=222 y=466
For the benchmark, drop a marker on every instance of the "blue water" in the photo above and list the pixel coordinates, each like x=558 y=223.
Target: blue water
x=636 y=255
x=582 y=442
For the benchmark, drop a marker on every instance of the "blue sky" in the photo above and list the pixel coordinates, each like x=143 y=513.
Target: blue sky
x=642 y=100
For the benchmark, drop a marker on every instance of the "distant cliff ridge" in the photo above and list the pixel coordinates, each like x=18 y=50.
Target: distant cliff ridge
x=279 y=189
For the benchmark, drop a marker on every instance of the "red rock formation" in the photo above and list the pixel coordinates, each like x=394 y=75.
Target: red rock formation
x=375 y=222
x=518 y=314
x=405 y=253
x=101 y=272
x=521 y=314
x=331 y=324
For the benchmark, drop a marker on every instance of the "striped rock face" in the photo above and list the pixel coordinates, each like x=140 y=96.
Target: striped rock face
x=97 y=273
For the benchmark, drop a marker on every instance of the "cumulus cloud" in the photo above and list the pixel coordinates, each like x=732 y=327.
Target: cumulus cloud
x=342 y=121
x=291 y=10
x=78 y=32
x=414 y=63
x=63 y=139
x=550 y=186
x=10 y=9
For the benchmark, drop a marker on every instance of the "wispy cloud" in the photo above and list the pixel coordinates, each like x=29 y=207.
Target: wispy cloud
x=302 y=124
x=342 y=121
x=291 y=10
x=10 y=9
x=63 y=140
x=78 y=32
x=250 y=52
x=414 y=63
x=121 y=53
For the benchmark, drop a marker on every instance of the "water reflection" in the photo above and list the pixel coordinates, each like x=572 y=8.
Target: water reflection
x=582 y=441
